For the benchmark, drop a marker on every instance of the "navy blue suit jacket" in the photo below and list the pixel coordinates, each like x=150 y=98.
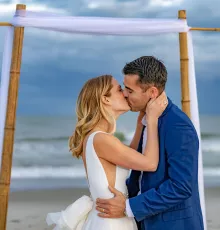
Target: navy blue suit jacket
x=169 y=198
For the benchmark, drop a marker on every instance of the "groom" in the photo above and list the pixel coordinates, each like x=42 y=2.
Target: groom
x=167 y=199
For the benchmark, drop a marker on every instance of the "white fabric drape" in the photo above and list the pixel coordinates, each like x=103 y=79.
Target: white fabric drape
x=194 y=108
x=101 y=26
x=6 y=64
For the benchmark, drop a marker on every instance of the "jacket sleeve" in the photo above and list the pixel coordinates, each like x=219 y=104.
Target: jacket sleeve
x=181 y=146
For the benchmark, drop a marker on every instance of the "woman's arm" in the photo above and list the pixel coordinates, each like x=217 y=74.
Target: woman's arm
x=137 y=135
x=111 y=149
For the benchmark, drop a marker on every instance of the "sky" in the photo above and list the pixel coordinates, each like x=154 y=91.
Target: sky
x=56 y=65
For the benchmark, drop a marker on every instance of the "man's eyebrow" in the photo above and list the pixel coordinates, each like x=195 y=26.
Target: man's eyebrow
x=128 y=87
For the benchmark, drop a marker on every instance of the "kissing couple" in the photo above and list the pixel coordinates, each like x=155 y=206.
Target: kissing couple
x=151 y=184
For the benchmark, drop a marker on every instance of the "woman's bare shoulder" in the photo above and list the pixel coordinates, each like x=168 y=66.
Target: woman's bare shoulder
x=102 y=139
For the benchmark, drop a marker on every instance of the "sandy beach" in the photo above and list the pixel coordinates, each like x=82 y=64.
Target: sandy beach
x=27 y=210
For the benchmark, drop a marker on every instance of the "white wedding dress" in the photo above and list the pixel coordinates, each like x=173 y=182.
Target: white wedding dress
x=82 y=214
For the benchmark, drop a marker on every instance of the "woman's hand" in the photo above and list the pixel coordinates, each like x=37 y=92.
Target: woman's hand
x=156 y=106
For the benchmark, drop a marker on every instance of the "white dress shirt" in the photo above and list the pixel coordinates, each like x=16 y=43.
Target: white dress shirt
x=128 y=208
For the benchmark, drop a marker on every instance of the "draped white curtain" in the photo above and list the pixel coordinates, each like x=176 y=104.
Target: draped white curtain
x=5 y=74
x=101 y=26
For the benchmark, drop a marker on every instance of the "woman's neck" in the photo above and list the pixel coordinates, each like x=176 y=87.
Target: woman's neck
x=103 y=125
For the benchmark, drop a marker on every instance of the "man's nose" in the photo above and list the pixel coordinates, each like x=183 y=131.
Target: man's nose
x=125 y=93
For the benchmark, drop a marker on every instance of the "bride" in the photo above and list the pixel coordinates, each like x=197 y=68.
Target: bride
x=107 y=160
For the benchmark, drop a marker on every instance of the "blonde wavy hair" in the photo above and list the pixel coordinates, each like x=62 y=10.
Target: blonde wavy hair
x=90 y=110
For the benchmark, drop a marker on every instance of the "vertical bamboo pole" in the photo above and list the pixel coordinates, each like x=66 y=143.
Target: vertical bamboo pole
x=7 y=152
x=184 y=67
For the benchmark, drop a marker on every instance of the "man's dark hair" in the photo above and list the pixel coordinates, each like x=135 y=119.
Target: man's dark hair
x=150 y=70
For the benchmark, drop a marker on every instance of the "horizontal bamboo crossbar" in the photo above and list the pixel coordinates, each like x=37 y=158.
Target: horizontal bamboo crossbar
x=5 y=24
x=205 y=29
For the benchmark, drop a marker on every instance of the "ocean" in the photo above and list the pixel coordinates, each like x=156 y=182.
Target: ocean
x=41 y=158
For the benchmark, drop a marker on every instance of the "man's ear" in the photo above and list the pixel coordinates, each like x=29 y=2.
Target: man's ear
x=105 y=100
x=154 y=92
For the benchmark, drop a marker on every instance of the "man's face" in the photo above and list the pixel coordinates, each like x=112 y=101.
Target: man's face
x=137 y=97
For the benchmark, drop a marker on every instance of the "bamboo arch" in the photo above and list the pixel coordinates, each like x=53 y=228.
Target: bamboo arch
x=7 y=152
